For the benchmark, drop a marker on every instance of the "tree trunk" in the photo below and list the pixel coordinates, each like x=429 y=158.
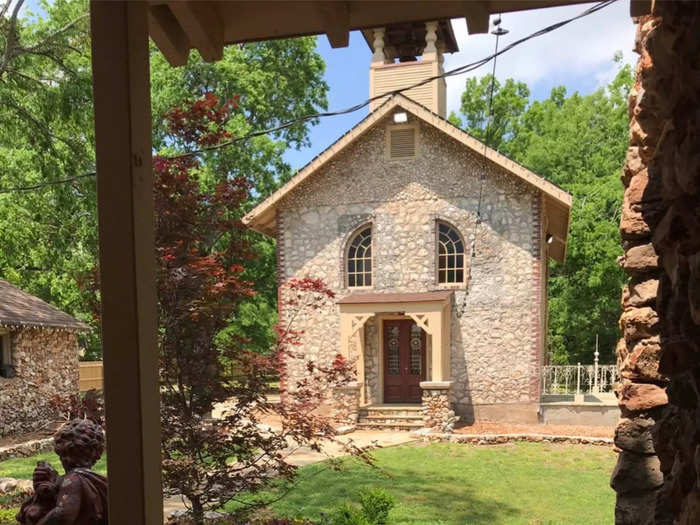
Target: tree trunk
x=197 y=511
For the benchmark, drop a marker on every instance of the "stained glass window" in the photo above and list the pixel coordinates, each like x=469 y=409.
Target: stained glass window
x=416 y=344
x=393 y=351
x=359 y=261
x=451 y=257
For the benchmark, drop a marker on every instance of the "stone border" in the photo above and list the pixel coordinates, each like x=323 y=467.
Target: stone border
x=26 y=449
x=497 y=439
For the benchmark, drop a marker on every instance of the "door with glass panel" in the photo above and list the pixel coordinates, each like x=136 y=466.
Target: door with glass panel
x=404 y=361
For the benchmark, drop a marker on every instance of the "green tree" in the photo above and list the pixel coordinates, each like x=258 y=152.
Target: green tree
x=579 y=143
x=509 y=103
x=48 y=235
x=272 y=82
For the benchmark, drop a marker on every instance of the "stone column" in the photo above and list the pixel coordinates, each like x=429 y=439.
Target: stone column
x=346 y=403
x=438 y=415
x=637 y=477
x=671 y=42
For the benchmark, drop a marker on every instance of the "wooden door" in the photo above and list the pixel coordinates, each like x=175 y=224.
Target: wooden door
x=404 y=361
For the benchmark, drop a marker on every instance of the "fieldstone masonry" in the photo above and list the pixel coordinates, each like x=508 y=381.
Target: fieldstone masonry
x=658 y=480
x=438 y=415
x=496 y=346
x=346 y=403
x=46 y=362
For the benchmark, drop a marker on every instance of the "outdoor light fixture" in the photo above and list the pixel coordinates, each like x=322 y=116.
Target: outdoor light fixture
x=401 y=117
x=549 y=238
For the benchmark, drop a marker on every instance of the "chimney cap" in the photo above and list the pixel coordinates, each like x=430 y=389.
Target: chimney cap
x=406 y=34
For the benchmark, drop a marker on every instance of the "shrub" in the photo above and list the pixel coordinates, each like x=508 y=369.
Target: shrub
x=7 y=516
x=347 y=514
x=376 y=504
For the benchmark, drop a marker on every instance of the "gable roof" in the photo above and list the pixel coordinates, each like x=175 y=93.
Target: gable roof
x=20 y=309
x=557 y=202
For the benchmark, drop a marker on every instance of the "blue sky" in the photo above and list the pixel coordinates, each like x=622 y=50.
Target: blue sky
x=578 y=56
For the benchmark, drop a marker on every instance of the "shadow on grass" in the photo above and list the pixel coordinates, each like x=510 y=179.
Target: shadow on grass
x=424 y=496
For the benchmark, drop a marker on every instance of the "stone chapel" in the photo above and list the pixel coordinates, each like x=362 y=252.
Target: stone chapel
x=436 y=247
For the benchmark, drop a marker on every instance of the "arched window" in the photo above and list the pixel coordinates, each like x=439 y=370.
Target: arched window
x=450 y=255
x=359 y=258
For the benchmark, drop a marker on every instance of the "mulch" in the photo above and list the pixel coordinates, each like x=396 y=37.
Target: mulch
x=488 y=427
x=16 y=439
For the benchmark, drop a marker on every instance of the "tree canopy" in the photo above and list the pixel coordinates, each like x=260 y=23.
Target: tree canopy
x=579 y=143
x=49 y=234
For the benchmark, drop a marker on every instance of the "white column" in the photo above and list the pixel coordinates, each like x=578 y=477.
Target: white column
x=378 y=44
x=127 y=259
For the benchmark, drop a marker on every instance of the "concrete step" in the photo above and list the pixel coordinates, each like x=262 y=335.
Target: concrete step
x=383 y=425
x=383 y=417
x=392 y=411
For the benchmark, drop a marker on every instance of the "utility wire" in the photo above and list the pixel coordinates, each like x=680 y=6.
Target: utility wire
x=453 y=72
x=50 y=183
x=498 y=31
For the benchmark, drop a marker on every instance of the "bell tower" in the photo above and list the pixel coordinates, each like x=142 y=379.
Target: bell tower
x=404 y=54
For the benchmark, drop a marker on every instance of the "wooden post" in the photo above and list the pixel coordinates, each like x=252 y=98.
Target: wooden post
x=127 y=259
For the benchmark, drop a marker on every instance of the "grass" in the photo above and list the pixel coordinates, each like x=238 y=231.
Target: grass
x=22 y=468
x=456 y=484
x=451 y=484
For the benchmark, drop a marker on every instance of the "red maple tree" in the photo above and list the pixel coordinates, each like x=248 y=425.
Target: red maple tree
x=201 y=253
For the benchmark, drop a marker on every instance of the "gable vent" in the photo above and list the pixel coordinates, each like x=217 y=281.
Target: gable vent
x=402 y=143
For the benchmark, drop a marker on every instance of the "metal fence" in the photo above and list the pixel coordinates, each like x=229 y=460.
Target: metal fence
x=578 y=379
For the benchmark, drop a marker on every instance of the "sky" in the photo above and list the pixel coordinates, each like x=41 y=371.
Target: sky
x=578 y=56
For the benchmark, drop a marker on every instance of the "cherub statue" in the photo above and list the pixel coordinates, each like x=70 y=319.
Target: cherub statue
x=80 y=496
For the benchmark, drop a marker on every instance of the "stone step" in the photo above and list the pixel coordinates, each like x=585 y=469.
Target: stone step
x=384 y=411
x=384 y=417
x=382 y=425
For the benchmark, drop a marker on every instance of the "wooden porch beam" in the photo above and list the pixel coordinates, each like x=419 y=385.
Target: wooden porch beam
x=335 y=17
x=477 y=15
x=120 y=47
x=168 y=35
x=203 y=26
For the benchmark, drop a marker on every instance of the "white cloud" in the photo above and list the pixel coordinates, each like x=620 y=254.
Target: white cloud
x=581 y=51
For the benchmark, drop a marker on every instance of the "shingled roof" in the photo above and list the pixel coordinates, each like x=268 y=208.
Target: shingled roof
x=18 y=308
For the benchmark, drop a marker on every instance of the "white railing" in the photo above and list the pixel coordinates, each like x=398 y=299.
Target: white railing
x=578 y=379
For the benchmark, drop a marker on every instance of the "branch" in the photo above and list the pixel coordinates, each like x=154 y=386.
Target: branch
x=56 y=33
x=11 y=41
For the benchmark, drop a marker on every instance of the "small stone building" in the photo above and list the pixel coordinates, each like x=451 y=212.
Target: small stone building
x=435 y=245
x=39 y=359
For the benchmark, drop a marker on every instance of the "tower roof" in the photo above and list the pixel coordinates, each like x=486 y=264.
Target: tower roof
x=410 y=37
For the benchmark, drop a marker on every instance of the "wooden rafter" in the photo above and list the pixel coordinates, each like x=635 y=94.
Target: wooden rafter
x=203 y=27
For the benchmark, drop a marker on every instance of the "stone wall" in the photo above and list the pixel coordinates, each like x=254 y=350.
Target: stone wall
x=658 y=480
x=46 y=361
x=494 y=349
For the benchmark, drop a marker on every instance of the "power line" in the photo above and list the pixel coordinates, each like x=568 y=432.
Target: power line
x=453 y=72
x=49 y=183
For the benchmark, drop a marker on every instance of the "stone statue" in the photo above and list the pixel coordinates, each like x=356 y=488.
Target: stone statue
x=80 y=496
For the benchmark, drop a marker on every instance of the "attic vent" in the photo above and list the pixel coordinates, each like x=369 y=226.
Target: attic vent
x=402 y=142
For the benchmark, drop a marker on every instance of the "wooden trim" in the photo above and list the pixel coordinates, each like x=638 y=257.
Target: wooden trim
x=120 y=52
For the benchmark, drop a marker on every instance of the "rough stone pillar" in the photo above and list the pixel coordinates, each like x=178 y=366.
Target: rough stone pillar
x=438 y=415
x=674 y=47
x=346 y=403
x=661 y=215
x=637 y=478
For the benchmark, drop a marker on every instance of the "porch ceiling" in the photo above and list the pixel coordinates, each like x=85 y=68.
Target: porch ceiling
x=178 y=27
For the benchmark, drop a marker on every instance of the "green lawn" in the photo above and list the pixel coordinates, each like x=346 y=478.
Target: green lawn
x=453 y=484
x=456 y=484
x=24 y=467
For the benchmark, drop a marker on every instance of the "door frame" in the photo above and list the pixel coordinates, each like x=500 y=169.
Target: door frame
x=381 y=357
